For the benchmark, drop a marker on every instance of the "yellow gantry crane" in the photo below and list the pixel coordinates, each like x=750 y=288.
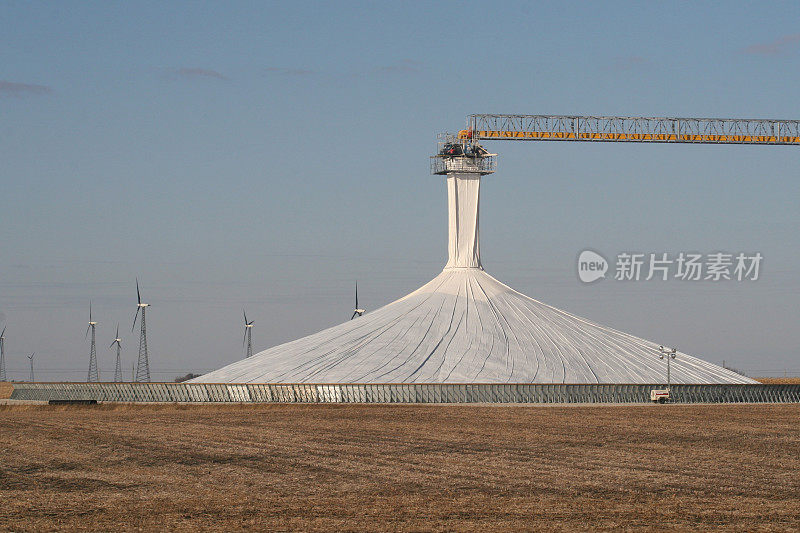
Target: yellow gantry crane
x=631 y=129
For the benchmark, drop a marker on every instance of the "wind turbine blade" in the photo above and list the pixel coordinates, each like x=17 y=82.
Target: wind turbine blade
x=4 y=331
x=138 y=296
x=134 y=319
x=354 y=315
x=87 y=332
x=356 y=294
x=113 y=343
x=117 y=335
x=90 y=310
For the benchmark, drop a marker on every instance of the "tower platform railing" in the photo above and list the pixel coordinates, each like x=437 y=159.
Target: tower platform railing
x=442 y=164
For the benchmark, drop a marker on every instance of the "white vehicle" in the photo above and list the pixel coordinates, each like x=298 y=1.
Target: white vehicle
x=659 y=395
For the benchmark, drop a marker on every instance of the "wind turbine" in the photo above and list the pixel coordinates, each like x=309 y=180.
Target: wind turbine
x=3 y=376
x=118 y=367
x=93 y=373
x=248 y=334
x=30 y=357
x=143 y=364
x=358 y=310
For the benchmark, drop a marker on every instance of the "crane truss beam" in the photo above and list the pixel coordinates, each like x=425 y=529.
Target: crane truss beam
x=632 y=129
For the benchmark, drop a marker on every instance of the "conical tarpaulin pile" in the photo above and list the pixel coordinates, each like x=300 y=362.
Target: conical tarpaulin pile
x=464 y=326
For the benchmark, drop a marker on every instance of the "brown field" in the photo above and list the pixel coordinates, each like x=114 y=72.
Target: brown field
x=779 y=381
x=307 y=467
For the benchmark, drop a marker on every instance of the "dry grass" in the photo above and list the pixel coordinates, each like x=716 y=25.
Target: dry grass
x=779 y=381
x=5 y=390
x=400 y=467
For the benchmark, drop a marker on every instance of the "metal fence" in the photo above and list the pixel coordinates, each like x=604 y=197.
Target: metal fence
x=400 y=393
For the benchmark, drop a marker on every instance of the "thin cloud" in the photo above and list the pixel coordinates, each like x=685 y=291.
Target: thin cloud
x=630 y=62
x=290 y=71
x=775 y=48
x=405 y=66
x=198 y=73
x=11 y=88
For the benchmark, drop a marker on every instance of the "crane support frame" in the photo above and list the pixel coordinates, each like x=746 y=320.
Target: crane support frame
x=632 y=129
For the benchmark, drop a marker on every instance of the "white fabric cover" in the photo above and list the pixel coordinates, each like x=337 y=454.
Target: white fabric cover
x=463 y=194
x=464 y=326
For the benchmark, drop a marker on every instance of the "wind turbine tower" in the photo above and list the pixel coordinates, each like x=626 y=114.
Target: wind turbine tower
x=93 y=375
x=358 y=311
x=143 y=364
x=3 y=376
x=248 y=335
x=118 y=367
x=30 y=358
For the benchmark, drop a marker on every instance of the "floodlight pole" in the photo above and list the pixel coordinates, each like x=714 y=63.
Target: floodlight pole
x=669 y=354
x=668 y=376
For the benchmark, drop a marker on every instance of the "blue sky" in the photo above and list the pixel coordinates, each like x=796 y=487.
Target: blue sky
x=266 y=155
